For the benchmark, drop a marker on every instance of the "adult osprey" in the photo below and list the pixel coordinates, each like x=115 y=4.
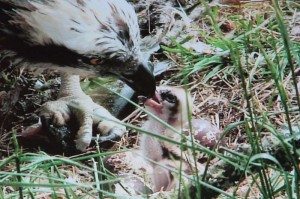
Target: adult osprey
x=89 y=37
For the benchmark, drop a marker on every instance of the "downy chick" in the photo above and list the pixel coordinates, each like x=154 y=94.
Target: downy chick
x=171 y=105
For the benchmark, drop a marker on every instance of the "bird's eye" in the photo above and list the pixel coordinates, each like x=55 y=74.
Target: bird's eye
x=95 y=61
x=92 y=60
x=168 y=96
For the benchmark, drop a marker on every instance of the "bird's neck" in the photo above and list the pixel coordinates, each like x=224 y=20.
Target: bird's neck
x=160 y=127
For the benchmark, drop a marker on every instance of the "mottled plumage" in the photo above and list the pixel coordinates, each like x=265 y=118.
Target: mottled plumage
x=90 y=37
x=96 y=35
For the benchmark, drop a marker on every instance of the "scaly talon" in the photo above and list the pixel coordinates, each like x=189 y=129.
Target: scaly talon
x=80 y=113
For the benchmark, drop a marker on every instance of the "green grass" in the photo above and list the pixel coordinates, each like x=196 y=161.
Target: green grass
x=39 y=173
x=256 y=59
x=277 y=57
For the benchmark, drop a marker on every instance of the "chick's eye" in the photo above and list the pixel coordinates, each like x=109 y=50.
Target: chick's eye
x=168 y=96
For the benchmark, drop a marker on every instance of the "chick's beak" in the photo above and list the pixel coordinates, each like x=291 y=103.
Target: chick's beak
x=141 y=80
x=154 y=103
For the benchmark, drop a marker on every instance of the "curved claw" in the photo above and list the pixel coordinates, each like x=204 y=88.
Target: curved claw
x=58 y=118
x=113 y=135
x=70 y=119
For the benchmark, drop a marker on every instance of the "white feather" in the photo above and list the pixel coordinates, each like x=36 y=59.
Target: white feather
x=53 y=22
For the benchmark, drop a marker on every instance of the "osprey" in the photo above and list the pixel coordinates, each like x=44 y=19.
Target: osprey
x=172 y=106
x=79 y=37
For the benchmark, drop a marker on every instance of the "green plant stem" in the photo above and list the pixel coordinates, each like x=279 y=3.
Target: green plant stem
x=18 y=163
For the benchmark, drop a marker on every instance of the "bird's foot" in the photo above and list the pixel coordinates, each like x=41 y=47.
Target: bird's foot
x=73 y=119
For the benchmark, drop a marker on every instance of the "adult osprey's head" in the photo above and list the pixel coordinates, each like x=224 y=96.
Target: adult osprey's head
x=101 y=36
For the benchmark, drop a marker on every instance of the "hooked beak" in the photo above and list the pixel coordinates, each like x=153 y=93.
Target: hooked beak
x=141 y=80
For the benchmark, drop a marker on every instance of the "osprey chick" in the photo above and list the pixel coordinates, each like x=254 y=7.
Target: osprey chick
x=170 y=105
x=79 y=37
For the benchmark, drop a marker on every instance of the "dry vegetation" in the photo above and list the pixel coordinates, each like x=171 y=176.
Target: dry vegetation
x=233 y=58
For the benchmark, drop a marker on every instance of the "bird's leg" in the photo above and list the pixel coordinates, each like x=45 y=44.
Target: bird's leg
x=74 y=106
x=70 y=85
